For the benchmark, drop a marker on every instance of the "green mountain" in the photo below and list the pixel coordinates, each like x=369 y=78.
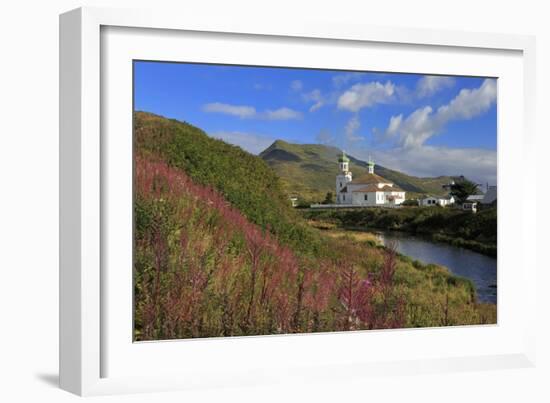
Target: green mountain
x=308 y=171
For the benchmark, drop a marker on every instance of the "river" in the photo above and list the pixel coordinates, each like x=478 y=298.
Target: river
x=481 y=269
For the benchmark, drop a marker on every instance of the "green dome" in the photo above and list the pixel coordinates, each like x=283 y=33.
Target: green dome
x=343 y=158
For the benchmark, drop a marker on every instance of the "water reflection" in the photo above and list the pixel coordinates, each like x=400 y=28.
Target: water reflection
x=481 y=269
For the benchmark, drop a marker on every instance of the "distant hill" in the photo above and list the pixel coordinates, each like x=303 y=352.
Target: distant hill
x=308 y=171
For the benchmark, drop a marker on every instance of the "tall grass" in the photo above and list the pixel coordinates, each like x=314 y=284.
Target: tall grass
x=202 y=269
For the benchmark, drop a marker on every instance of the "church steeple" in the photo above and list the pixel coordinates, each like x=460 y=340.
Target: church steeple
x=370 y=165
x=343 y=162
x=342 y=179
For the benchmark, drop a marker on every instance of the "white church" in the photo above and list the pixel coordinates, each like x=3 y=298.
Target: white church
x=367 y=190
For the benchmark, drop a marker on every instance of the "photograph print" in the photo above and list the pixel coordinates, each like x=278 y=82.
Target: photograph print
x=272 y=200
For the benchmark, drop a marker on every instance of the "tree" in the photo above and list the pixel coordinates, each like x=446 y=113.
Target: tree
x=462 y=189
x=329 y=198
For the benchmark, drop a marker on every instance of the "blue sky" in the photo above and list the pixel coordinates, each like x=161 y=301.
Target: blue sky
x=420 y=124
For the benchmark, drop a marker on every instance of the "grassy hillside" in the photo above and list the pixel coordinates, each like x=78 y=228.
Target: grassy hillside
x=246 y=181
x=309 y=170
x=220 y=252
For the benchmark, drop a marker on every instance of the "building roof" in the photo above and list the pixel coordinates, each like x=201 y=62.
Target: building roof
x=343 y=158
x=447 y=197
x=393 y=188
x=374 y=188
x=369 y=179
x=369 y=188
x=475 y=197
x=490 y=195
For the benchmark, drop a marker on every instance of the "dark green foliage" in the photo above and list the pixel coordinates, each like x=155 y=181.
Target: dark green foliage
x=460 y=228
x=329 y=198
x=463 y=188
x=410 y=203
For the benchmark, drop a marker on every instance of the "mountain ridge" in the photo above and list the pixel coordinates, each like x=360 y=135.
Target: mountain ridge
x=309 y=170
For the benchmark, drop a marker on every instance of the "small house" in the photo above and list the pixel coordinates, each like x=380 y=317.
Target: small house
x=437 y=201
x=475 y=198
x=470 y=206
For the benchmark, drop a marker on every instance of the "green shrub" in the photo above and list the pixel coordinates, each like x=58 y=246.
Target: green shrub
x=463 y=229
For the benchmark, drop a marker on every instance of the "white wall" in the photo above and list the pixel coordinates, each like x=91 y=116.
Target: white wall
x=429 y=201
x=29 y=201
x=341 y=181
x=433 y=201
x=359 y=199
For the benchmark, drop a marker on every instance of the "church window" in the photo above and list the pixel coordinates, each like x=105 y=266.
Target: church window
x=344 y=197
x=366 y=197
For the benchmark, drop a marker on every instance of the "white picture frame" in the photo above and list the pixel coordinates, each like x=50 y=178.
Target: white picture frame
x=89 y=352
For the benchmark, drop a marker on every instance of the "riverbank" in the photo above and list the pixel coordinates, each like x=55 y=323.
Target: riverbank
x=420 y=251
x=478 y=268
x=447 y=280
x=476 y=232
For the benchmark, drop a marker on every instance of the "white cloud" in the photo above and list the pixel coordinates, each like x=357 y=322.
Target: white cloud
x=365 y=95
x=282 y=114
x=412 y=156
x=241 y=111
x=429 y=85
x=253 y=143
x=296 y=85
x=249 y=112
x=414 y=130
x=316 y=106
x=324 y=137
x=418 y=127
x=395 y=122
x=351 y=128
x=316 y=97
x=479 y=165
x=340 y=80
x=470 y=103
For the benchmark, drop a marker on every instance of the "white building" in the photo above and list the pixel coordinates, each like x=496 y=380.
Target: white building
x=437 y=201
x=470 y=206
x=475 y=198
x=487 y=198
x=368 y=190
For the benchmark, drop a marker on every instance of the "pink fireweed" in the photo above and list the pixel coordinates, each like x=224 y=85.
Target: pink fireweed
x=203 y=269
